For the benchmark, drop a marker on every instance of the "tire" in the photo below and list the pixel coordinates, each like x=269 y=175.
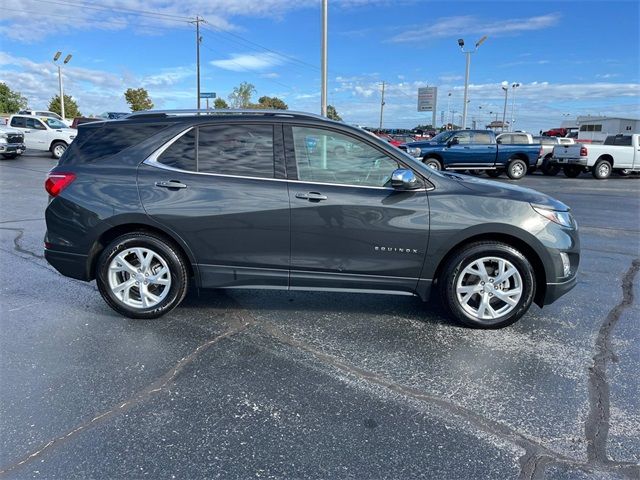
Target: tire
x=9 y=156
x=458 y=281
x=601 y=170
x=516 y=169
x=494 y=173
x=432 y=162
x=548 y=169
x=625 y=172
x=118 y=264
x=572 y=171
x=58 y=149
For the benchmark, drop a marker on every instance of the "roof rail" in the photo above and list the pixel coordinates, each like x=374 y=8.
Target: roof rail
x=195 y=111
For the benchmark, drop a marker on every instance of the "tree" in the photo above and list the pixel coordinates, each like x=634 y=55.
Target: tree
x=241 y=95
x=220 y=103
x=138 y=99
x=70 y=106
x=270 y=103
x=10 y=101
x=332 y=114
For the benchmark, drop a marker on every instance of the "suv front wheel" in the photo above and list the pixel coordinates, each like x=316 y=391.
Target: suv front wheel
x=141 y=275
x=487 y=285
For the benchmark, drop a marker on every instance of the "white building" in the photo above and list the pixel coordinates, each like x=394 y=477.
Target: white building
x=596 y=129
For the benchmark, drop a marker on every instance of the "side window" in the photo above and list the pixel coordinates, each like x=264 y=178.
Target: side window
x=482 y=138
x=245 y=150
x=464 y=138
x=35 y=124
x=327 y=157
x=182 y=153
x=19 y=122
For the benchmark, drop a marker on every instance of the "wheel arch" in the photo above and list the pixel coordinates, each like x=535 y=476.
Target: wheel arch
x=57 y=140
x=607 y=157
x=533 y=254
x=435 y=156
x=113 y=232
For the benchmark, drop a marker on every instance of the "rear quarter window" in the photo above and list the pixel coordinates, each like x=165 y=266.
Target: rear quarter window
x=108 y=140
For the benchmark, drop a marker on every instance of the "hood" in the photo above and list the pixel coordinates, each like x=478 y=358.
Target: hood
x=490 y=188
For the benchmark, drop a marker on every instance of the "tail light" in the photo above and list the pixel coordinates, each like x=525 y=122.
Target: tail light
x=57 y=182
x=583 y=151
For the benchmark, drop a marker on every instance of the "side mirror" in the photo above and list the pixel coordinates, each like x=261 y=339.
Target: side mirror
x=404 y=179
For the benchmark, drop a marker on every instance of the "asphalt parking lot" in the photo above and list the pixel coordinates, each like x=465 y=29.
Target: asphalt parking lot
x=264 y=384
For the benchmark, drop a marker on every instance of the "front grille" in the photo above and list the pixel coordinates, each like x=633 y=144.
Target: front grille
x=15 y=138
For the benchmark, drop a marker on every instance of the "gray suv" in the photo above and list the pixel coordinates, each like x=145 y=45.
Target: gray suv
x=159 y=201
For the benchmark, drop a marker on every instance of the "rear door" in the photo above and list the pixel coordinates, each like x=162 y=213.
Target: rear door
x=349 y=228
x=219 y=188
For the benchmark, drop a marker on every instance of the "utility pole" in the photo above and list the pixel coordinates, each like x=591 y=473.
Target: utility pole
x=513 y=104
x=323 y=60
x=197 y=21
x=381 y=106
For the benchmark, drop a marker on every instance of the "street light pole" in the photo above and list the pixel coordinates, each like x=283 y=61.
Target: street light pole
x=466 y=75
x=513 y=105
x=448 y=108
x=56 y=57
x=381 y=106
x=323 y=60
x=504 y=113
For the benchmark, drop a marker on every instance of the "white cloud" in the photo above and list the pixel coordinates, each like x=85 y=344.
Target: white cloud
x=95 y=90
x=270 y=75
x=469 y=24
x=248 y=62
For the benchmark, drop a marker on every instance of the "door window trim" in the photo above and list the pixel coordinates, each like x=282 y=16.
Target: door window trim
x=292 y=165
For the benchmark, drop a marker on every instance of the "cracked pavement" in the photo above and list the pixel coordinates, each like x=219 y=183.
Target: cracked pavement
x=268 y=384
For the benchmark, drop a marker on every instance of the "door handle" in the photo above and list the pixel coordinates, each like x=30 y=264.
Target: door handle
x=171 y=184
x=27 y=131
x=311 y=196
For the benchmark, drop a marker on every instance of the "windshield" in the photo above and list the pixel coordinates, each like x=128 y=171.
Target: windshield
x=441 y=137
x=53 y=123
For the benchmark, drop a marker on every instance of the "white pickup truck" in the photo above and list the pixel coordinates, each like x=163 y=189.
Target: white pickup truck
x=620 y=153
x=44 y=133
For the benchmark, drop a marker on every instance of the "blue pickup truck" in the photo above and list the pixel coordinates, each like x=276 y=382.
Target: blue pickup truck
x=475 y=150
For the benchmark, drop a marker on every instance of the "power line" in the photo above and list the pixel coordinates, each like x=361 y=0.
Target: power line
x=118 y=10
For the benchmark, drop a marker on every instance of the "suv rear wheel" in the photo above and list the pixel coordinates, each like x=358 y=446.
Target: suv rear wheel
x=141 y=275
x=487 y=285
x=572 y=171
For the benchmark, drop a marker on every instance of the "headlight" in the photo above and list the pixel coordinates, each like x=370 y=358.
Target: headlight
x=3 y=138
x=561 y=218
x=414 y=151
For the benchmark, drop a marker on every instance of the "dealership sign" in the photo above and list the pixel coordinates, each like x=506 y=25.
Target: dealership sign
x=427 y=99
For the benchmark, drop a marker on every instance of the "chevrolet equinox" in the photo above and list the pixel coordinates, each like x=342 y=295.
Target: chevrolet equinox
x=158 y=201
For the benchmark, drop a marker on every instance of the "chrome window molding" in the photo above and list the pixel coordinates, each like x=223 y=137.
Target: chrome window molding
x=152 y=161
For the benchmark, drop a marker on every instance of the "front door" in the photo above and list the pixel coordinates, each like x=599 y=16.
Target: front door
x=349 y=228
x=36 y=135
x=216 y=188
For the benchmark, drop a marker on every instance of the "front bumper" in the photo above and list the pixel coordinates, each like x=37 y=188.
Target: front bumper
x=17 y=148
x=556 y=290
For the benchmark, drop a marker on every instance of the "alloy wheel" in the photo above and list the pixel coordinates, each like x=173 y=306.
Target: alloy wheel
x=139 y=278
x=489 y=288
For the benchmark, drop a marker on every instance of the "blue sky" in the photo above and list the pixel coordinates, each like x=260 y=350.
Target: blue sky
x=570 y=58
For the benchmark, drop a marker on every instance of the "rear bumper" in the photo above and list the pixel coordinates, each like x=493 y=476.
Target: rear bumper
x=72 y=265
x=582 y=161
x=556 y=290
